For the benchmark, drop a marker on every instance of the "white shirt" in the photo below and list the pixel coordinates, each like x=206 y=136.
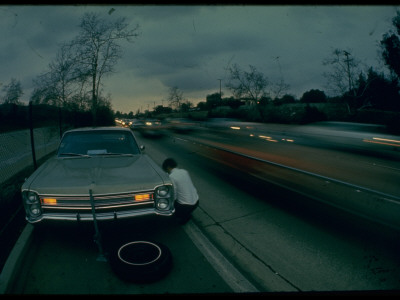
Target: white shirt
x=185 y=192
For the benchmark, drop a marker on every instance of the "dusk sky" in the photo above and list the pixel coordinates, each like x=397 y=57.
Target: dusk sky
x=191 y=47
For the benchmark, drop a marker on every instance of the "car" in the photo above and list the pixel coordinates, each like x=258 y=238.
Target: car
x=97 y=174
x=181 y=125
x=136 y=124
x=152 y=128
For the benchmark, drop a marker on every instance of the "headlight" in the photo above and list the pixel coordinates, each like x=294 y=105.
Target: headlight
x=31 y=198
x=163 y=191
x=35 y=210
x=162 y=204
x=163 y=197
x=32 y=205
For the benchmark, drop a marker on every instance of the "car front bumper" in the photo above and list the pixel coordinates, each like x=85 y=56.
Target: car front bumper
x=101 y=216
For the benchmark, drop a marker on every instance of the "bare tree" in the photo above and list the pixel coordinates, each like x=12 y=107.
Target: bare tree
x=279 y=88
x=62 y=75
x=57 y=86
x=247 y=85
x=175 y=97
x=42 y=93
x=97 y=50
x=13 y=92
x=344 y=72
x=390 y=46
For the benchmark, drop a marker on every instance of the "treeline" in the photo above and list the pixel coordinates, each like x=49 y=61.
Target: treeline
x=18 y=117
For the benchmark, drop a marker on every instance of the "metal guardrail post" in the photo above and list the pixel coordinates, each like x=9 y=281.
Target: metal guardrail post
x=60 y=121
x=31 y=134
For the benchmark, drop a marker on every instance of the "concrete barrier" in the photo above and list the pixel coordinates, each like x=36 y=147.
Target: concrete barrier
x=14 y=261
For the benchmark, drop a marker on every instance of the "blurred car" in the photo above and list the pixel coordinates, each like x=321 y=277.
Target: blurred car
x=124 y=122
x=152 y=128
x=97 y=168
x=136 y=124
x=181 y=125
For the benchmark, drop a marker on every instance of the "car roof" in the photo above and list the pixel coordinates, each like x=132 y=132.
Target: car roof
x=108 y=128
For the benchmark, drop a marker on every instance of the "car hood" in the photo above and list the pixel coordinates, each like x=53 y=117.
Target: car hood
x=101 y=174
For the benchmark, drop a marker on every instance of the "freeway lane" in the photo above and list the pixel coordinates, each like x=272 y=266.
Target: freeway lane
x=333 y=166
x=342 y=155
x=296 y=245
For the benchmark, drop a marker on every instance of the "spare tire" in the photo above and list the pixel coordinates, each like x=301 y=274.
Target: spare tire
x=141 y=261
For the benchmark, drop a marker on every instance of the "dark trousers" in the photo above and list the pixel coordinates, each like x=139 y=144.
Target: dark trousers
x=184 y=211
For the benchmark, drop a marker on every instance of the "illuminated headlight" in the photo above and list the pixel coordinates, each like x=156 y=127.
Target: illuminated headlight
x=162 y=204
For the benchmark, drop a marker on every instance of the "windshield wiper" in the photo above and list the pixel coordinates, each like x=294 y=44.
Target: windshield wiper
x=114 y=154
x=74 y=154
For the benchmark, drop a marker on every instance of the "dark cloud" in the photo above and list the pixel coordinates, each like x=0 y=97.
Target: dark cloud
x=191 y=46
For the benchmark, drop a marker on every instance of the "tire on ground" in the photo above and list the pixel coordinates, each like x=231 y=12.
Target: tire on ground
x=141 y=261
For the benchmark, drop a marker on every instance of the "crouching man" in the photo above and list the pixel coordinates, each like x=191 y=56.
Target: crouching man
x=186 y=197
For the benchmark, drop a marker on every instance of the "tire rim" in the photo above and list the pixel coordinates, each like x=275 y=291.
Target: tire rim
x=139 y=254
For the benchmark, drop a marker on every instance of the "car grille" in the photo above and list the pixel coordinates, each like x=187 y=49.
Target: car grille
x=102 y=203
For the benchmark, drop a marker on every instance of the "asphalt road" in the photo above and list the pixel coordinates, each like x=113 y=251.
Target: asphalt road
x=65 y=261
x=279 y=242
x=306 y=245
x=353 y=156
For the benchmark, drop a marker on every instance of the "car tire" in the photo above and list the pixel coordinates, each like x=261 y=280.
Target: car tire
x=141 y=261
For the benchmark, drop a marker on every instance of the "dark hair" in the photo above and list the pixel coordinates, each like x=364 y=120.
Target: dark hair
x=169 y=163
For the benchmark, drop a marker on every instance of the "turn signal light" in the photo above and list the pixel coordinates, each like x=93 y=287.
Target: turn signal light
x=142 y=197
x=49 y=201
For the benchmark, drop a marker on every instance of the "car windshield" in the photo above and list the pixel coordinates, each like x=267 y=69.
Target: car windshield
x=89 y=143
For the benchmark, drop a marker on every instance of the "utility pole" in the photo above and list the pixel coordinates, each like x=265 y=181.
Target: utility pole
x=220 y=94
x=348 y=68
